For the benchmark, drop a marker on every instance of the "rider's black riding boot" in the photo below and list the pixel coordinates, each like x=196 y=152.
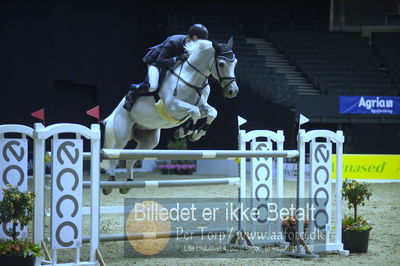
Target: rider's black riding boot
x=134 y=93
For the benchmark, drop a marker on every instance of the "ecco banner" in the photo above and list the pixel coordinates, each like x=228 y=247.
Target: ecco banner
x=321 y=166
x=369 y=105
x=66 y=218
x=13 y=171
x=262 y=184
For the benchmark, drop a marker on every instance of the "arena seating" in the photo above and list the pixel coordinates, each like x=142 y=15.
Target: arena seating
x=262 y=80
x=335 y=62
x=386 y=46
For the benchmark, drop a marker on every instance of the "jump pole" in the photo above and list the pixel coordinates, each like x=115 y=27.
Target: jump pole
x=118 y=154
x=166 y=183
x=154 y=235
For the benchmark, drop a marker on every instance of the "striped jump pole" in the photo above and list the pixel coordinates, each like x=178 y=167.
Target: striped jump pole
x=166 y=183
x=118 y=154
x=85 y=155
x=155 y=235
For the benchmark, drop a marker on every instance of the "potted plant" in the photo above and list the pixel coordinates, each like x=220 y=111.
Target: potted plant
x=181 y=167
x=355 y=230
x=177 y=144
x=184 y=167
x=289 y=227
x=166 y=169
x=17 y=208
x=162 y=167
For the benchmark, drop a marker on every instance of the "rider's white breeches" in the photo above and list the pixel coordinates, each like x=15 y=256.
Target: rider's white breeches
x=153 y=75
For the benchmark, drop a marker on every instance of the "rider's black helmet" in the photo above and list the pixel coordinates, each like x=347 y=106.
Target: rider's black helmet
x=199 y=30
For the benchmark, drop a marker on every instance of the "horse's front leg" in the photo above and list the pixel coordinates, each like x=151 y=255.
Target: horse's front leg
x=184 y=130
x=177 y=106
x=188 y=127
x=211 y=114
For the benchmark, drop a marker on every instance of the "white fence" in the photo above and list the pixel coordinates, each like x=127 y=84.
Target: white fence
x=67 y=183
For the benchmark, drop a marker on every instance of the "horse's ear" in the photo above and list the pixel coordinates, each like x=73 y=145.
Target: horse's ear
x=216 y=46
x=230 y=42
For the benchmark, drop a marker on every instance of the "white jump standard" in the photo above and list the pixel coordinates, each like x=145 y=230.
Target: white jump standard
x=67 y=156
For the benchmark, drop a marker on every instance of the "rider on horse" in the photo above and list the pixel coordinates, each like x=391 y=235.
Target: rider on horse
x=162 y=57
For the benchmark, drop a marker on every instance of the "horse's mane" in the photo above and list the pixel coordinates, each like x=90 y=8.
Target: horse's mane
x=192 y=46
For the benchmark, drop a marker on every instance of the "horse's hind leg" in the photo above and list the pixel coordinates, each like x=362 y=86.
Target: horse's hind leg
x=111 y=177
x=145 y=139
x=118 y=131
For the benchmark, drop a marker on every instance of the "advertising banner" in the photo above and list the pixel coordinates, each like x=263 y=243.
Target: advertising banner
x=372 y=167
x=369 y=105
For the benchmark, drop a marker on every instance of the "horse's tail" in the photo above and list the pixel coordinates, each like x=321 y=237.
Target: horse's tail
x=109 y=133
x=109 y=138
x=108 y=122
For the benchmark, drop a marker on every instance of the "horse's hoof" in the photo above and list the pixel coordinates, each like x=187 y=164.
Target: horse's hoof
x=192 y=138
x=107 y=191
x=176 y=134
x=125 y=190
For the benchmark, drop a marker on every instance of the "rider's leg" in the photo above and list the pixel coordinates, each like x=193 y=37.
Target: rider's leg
x=153 y=75
x=149 y=85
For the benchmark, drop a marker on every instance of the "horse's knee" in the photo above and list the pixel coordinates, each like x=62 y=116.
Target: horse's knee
x=213 y=113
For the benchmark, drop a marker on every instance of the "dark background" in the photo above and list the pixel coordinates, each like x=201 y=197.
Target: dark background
x=69 y=56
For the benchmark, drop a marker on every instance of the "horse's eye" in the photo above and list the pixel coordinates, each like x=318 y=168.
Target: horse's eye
x=220 y=64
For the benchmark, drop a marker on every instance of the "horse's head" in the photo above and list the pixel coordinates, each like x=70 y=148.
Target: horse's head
x=224 y=70
x=218 y=58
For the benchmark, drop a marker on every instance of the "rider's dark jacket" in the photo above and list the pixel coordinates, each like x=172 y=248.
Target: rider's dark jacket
x=163 y=55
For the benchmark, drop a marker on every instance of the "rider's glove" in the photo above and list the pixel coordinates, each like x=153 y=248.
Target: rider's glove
x=182 y=57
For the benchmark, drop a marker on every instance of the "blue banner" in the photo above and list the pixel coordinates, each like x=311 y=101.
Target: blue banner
x=369 y=105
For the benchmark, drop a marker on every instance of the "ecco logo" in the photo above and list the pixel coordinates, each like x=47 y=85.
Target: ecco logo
x=13 y=168
x=17 y=157
x=263 y=184
x=67 y=191
x=321 y=179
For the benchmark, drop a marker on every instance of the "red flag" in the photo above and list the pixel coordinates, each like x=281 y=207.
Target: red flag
x=94 y=112
x=39 y=114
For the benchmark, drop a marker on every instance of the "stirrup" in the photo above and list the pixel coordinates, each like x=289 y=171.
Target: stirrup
x=129 y=101
x=128 y=106
x=134 y=93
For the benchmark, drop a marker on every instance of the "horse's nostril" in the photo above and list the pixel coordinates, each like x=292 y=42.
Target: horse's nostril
x=230 y=92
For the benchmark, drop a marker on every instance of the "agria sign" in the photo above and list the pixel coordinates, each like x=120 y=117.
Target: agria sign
x=66 y=193
x=369 y=105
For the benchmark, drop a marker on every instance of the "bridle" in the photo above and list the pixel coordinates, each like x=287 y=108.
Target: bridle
x=225 y=56
x=228 y=55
